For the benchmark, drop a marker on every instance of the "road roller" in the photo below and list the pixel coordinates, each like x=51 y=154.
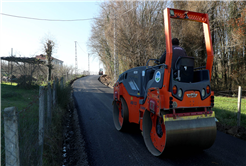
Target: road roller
x=171 y=102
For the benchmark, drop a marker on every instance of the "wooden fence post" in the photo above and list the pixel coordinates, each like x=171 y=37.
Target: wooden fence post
x=49 y=104
x=11 y=137
x=239 y=106
x=41 y=121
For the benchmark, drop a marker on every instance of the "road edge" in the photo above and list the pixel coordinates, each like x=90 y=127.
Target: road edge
x=74 y=143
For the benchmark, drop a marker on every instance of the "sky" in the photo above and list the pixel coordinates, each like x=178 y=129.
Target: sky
x=26 y=36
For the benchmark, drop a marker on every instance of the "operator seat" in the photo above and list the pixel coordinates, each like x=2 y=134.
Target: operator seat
x=149 y=75
x=184 y=69
x=152 y=82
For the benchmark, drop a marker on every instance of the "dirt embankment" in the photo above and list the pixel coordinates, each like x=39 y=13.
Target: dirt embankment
x=239 y=132
x=106 y=80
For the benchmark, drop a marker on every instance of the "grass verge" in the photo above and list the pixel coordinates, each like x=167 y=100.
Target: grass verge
x=226 y=110
x=54 y=136
x=27 y=112
x=26 y=102
x=53 y=139
x=11 y=95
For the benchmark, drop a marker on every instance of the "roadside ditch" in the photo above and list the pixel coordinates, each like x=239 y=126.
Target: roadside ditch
x=73 y=149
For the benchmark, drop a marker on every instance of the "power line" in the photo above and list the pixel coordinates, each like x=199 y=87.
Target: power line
x=43 y=1
x=76 y=62
x=80 y=47
x=36 y=1
x=43 y=19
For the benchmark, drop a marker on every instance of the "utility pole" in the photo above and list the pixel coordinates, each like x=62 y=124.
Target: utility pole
x=76 y=63
x=115 y=56
x=11 y=66
x=89 y=63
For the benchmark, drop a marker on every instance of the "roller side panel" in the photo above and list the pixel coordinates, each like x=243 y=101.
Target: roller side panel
x=132 y=103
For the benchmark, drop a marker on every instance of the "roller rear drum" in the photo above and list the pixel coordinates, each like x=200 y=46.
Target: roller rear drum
x=193 y=133
x=121 y=115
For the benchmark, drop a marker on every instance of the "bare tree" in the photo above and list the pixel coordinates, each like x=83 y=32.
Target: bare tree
x=48 y=49
x=139 y=33
x=140 y=36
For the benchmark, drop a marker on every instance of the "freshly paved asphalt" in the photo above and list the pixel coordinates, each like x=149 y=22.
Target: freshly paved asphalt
x=107 y=146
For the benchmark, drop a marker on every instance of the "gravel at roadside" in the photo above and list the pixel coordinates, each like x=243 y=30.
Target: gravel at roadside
x=74 y=152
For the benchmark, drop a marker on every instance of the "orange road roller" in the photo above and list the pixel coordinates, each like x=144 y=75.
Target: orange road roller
x=171 y=102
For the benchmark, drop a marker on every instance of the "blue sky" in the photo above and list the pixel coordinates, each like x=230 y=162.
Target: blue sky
x=25 y=36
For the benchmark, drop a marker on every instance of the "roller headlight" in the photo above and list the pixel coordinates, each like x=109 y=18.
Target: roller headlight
x=203 y=92
x=180 y=93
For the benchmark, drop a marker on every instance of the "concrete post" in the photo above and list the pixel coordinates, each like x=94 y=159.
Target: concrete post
x=41 y=121
x=12 y=157
x=49 y=104
x=54 y=93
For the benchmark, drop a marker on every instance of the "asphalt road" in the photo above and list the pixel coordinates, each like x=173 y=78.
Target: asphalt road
x=107 y=146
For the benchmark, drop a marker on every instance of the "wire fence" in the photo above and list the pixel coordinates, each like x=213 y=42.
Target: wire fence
x=230 y=93
x=22 y=131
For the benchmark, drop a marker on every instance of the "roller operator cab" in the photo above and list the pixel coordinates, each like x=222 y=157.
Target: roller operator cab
x=171 y=104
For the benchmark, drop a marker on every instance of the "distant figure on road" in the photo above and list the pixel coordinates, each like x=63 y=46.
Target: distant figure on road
x=101 y=71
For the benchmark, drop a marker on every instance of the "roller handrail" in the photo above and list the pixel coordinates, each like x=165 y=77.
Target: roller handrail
x=150 y=60
x=147 y=67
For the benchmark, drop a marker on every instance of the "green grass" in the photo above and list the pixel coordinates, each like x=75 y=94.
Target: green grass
x=11 y=95
x=28 y=135
x=9 y=83
x=15 y=96
x=226 y=110
x=54 y=137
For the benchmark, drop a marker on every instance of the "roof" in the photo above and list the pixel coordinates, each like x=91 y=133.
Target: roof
x=22 y=59
x=43 y=57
